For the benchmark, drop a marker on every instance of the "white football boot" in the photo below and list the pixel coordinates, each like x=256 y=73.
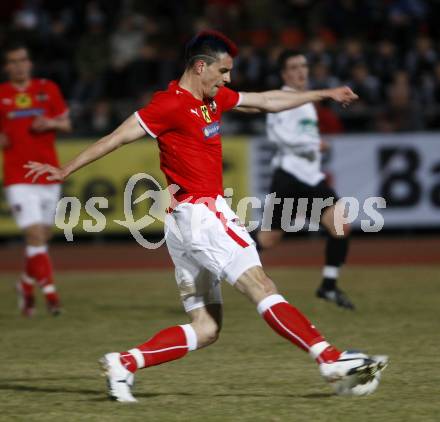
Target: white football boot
x=119 y=379
x=354 y=373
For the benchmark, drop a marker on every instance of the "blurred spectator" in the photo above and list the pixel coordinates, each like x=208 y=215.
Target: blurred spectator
x=421 y=59
x=385 y=61
x=317 y=52
x=321 y=78
x=365 y=85
x=402 y=112
x=352 y=54
x=126 y=41
x=91 y=59
x=404 y=18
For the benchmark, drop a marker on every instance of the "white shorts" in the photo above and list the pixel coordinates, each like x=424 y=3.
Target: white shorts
x=207 y=244
x=33 y=204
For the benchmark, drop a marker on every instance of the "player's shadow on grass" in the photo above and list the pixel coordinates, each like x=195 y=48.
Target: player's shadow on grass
x=34 y=389
x=290 y=396
x=11 y=386
x=100 y=392
x=171 y=310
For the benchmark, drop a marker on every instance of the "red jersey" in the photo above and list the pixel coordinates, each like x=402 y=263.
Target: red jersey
x=188 y=134
x=18 y=109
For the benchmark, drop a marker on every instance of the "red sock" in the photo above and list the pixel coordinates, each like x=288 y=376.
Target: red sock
x=26 y=294
x=39 y=267
x=167 y=345
x=26 y=285
x=291 y=324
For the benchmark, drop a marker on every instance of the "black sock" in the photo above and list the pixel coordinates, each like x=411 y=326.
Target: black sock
x=336 y=251
x=335 y=254
x=328 y=283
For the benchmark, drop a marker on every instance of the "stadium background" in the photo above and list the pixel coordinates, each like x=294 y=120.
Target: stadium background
x=109 y=56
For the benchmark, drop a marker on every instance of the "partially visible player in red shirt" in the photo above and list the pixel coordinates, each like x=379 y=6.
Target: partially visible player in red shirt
x=31 y=113
x=185 y=120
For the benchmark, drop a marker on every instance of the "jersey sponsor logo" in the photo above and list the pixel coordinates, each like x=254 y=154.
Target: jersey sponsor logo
x=205 y=114
x=23 y=100
x=21 y=114
x=309 y=126
x=211 y=130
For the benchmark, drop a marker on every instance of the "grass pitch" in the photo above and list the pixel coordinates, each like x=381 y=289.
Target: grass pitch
x=49 y=366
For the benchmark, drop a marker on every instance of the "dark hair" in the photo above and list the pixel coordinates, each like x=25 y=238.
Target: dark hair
x=206 y=45
x=13 y=46
x=286 y=55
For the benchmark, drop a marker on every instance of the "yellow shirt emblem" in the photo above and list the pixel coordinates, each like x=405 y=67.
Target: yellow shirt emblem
x=23 y=100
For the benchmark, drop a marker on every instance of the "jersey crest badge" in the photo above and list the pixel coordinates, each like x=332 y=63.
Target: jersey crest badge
x=213 y=106
x=42 y=96
x=205 y=114
x=23 y=100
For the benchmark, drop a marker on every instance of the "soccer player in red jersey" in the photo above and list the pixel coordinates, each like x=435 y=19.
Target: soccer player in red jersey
x=31 y=112
x=185 y=121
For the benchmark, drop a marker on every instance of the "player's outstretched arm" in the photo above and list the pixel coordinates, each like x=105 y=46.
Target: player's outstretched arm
x=277 y=100
x=127 y=132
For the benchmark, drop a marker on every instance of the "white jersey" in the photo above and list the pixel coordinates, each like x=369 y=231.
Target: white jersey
x=296 y=134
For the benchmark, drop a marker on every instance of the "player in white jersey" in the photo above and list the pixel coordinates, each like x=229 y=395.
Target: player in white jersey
x=298 y=174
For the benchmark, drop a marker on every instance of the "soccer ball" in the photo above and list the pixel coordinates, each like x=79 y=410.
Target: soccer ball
x=351 y=385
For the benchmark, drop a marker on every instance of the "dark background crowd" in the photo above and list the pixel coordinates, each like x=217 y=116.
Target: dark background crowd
x=109 y=56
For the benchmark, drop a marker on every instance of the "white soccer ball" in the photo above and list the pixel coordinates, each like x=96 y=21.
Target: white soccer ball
x=350 y=386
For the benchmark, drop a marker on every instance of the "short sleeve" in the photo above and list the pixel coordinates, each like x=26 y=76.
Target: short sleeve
x=227 y=99
x=158 y=116
x=57 y=104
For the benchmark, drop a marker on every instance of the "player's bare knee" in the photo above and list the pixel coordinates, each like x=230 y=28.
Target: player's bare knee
x=35 y=235
x=343 y=231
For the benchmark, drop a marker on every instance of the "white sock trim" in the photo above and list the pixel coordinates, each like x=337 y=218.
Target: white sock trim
x=268 y=302
x=138 y=357
x=35 y=250
x=191 y=337
x=330 y=272
x=318 y=348
x=27 y=280
x=50 y=288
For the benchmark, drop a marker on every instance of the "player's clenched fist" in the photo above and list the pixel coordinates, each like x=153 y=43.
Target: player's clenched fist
x=342 y=94
x=38 y=169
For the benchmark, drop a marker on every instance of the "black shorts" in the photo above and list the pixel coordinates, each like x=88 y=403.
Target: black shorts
x=286 y=185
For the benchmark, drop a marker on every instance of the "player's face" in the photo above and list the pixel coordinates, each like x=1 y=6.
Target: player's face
x=216 y=75
x=18 y=65
x=296 y=72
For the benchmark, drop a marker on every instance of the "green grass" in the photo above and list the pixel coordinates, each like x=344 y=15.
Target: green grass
x=49 y=365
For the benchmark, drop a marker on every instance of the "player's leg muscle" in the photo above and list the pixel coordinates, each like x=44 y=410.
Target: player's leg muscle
x=255 y=284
